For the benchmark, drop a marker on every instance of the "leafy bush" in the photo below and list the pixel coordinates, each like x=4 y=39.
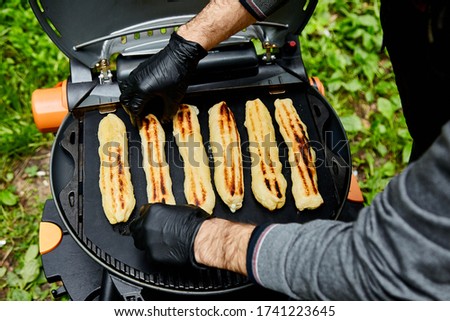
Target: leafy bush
x=29 y=60
x=342 y=45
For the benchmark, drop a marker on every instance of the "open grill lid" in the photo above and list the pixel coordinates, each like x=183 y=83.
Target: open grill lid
x=92 y=30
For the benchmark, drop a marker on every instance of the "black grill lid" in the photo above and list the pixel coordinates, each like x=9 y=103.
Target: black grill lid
x=92 y=30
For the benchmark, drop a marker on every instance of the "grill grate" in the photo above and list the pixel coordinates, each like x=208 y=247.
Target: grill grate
x=79 y=200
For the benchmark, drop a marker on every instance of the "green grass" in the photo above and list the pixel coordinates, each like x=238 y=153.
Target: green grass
x=25 y=280
x=341 y=45
x=28 y=61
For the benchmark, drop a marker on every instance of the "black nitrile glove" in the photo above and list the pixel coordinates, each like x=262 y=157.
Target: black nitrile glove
x=165 y=75
x=167 y=232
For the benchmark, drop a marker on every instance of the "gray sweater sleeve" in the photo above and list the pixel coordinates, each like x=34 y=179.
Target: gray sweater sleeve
x=398 y=249
x=261 y=9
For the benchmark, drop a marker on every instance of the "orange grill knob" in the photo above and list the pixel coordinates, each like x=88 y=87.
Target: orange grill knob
x=50 y=235
x=49 y=107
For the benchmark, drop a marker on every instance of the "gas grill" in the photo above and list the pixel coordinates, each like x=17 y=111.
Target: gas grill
x=105 y=41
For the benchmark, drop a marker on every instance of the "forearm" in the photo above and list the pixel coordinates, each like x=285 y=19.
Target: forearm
x=399 y=248
x=223 y=244
x=219 y=20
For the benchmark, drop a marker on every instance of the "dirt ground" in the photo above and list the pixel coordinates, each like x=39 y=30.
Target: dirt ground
x=37 y=184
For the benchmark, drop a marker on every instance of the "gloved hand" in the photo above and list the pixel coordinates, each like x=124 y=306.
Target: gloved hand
x=165 y=75
x=167 y=232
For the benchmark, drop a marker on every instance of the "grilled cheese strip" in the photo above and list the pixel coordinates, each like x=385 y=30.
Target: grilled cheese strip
x=226 y=144
x=157 y=173
x=301 y=156
x=198 y=188
x=268 y=182
x=115 y=179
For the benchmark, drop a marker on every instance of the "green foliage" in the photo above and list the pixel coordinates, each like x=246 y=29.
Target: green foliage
x=28 y=60
x=342 y=45
x=31 y=171
x=8 y=197
x=28 y=271
x=25 y=280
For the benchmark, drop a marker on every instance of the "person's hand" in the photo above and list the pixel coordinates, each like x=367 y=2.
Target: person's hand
x=167 y=232
x=163 y=76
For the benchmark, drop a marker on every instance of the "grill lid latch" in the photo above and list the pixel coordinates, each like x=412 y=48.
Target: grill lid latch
x=105 y=76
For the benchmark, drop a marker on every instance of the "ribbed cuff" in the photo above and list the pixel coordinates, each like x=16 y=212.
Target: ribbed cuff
x=261 y=9
x=253 y=10
x=252 y=249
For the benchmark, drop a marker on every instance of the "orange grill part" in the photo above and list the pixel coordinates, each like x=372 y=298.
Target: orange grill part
x=317 y=83
x=50 y=235
x=49 y=106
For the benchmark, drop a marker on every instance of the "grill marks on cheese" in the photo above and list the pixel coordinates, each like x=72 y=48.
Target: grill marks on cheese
x=228 y=171
x=301 y=156
x=159 y=183
x=119 y=176
x=297 y=136
x=115 y=179
x=268 y=183
x=198 y=188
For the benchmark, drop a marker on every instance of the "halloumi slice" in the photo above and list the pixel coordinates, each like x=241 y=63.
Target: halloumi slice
x=302 y=157
x=225 y=144
x=115 y=179
x=268 y=182
x=198 y=188
x=157 y=173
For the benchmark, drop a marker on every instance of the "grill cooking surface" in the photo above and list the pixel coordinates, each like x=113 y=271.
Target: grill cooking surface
x=79 y=200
